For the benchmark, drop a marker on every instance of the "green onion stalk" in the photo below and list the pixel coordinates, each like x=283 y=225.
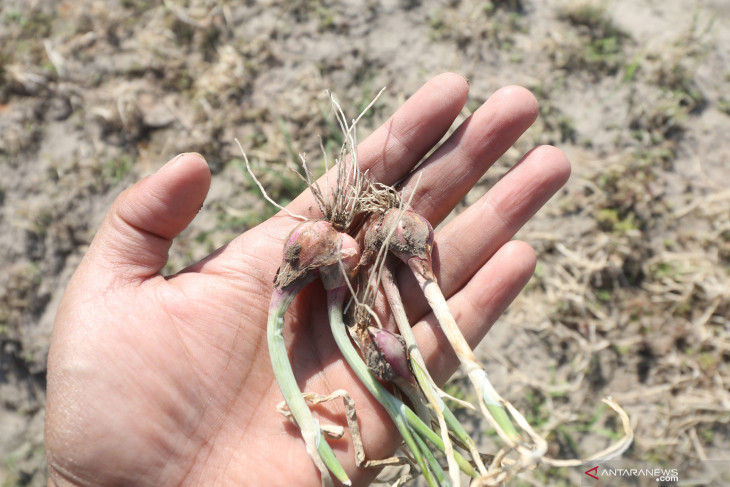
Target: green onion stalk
x=379 y=235
x=299 y=268
x=413 y=430
x=429 y=388
x=409 y=424
x=412 y=242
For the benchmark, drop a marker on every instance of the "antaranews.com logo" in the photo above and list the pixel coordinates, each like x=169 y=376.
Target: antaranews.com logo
x=660 y=475
x=623 y=473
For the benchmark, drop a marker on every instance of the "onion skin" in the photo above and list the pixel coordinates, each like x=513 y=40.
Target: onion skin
x=314 y=249
x=389 y=357
x=411 y=240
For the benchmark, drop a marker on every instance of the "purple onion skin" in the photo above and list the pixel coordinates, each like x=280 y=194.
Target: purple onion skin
x=314 y=249
x=412 y=239
x=392 y=350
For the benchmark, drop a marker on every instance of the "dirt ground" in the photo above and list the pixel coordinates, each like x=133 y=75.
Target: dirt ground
x=631 y=296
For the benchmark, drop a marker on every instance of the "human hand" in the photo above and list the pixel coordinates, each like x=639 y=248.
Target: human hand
x=157 y=380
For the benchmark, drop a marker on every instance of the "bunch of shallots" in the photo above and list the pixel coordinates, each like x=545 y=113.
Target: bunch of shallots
x=367 y=229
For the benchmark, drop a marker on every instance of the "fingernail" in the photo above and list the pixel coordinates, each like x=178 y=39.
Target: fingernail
x=175 y=159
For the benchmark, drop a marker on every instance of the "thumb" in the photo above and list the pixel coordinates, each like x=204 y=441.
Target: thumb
x=136 y=235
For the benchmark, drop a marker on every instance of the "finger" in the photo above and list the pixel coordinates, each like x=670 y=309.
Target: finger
x=476 y=306
x=405 y=138
x=478 y=142
x=470 y=240
x=134 y=239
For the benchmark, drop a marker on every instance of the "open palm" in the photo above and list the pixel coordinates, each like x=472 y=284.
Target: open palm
x=158 y=380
